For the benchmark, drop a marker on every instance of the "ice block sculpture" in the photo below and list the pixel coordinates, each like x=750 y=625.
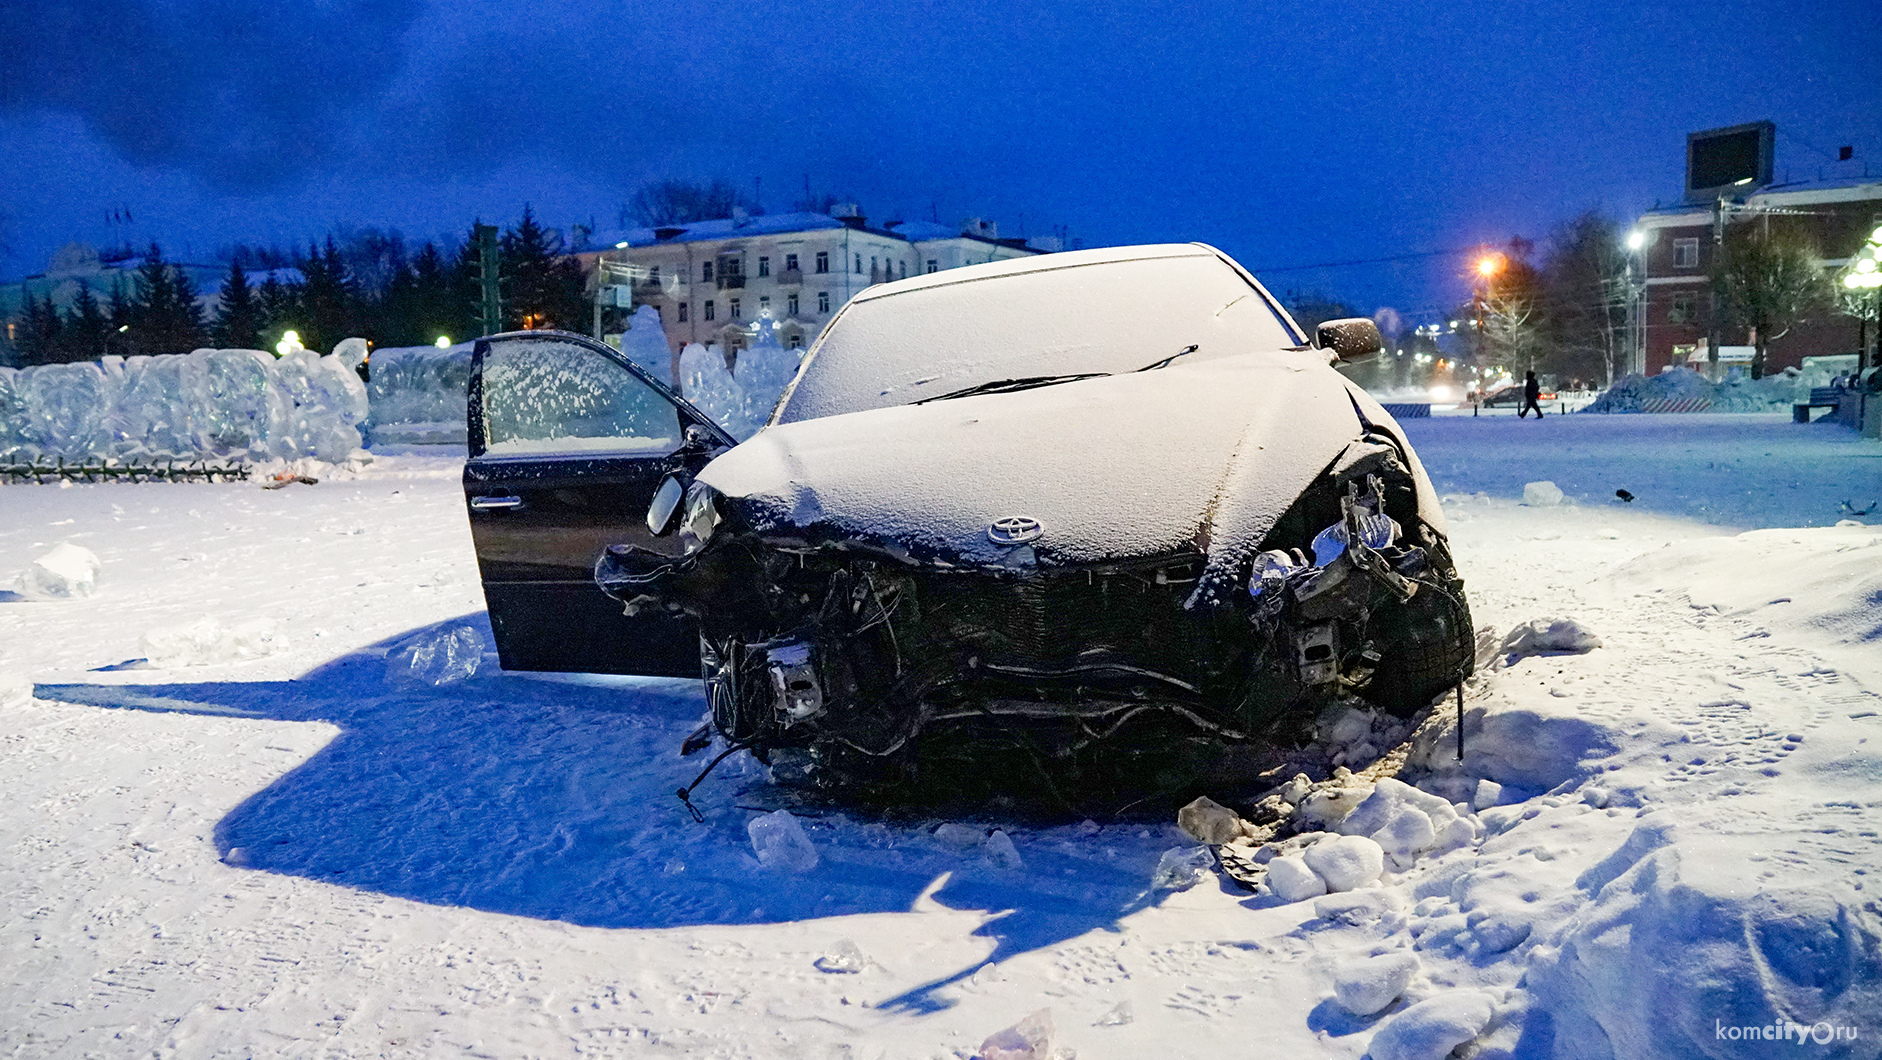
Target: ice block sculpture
x=209 y=404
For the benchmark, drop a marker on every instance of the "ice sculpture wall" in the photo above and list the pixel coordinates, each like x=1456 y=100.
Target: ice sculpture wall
x=220 y=404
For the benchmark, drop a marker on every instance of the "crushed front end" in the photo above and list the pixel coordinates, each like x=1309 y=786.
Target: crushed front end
x=848 y=655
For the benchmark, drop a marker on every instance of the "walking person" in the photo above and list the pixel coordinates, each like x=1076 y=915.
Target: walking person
x=1532 y=396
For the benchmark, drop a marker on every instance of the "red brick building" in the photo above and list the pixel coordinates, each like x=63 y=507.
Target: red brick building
x=1675 y=258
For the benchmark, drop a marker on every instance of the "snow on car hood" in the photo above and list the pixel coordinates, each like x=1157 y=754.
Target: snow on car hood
x=1142 y=464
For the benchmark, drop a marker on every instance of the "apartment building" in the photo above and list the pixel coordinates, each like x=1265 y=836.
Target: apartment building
x=711 y=280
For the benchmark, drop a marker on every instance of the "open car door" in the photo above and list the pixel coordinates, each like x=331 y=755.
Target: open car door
x=569 y=440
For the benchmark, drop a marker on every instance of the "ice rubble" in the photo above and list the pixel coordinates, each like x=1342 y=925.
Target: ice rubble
x=1368 y=984
x=206 y=642
x=65 y=572
x=1029 y=1039
x=224 y=404
x=1430 y=1029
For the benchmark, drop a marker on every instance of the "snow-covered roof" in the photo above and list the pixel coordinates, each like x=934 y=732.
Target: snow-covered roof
x=725 y=228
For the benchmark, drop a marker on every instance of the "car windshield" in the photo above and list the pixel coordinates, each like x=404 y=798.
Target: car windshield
x=1098 y=316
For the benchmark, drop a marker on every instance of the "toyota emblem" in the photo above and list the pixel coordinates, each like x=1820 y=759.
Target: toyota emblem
x=1014 y=530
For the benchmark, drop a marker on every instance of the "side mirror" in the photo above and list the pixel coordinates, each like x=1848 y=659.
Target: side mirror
x=666 y=503
x=1351 y=340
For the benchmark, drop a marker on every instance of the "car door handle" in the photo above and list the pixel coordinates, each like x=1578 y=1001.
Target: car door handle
x=495 y=504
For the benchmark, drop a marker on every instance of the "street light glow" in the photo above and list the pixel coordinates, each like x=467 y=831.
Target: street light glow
x=1636 y=240
x=1489 y=265
x=444 y=341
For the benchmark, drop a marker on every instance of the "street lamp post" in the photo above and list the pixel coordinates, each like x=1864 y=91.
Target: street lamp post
x=1636 y=331
x=1864 y=273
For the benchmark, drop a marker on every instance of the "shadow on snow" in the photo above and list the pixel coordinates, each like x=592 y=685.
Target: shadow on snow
x=553 y=799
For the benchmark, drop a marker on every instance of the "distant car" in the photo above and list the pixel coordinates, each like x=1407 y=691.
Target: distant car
x=1105 y=495
x=1511 y=395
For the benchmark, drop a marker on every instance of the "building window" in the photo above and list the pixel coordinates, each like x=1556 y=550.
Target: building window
x=793 y=306
x=823 y=301
x=1683 y=311
x=904 y=270
x=735 y=309
x=859 y=265
x=682 y=312
x=764 y=266
x=1686 y=253
x=794 y=342
x=764 y=302
x=730 y=267
x=823 y=261
x=790 y=263
x=705 y=274
x=709 y=313
x=933 y=265
x=653 y=274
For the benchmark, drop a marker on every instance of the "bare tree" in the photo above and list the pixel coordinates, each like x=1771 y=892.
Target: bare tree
x=679 y=202
x=1583 y=297
x=1769 y=281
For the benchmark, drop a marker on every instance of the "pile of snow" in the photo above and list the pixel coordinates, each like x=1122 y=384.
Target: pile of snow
x=15 y=690
x=206 y=642
x=1738 y=393
x=1821 y=586
x=66 y=572
x=1542 y=494
x=418 y=394
x=225 y=404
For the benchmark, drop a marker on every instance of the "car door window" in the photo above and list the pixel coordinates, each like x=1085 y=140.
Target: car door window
x=544 y=398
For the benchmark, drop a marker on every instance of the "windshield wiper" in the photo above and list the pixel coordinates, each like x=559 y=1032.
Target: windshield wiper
x=1007 y=386
x=1191 y=348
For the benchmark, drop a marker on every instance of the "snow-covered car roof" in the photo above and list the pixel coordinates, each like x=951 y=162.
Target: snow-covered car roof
x=1093 y=311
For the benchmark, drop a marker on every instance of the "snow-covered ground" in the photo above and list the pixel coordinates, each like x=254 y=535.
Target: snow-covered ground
x=286 y=850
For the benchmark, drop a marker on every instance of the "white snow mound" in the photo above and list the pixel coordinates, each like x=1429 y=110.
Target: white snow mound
x=1369 y=984
x=1433 y=1027
x=1543 y=494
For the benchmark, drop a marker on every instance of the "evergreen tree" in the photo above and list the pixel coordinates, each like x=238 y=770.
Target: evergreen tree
x=329 y=298
x=278 y=309
x=544 y=287
x=238 y=317
x=39 y=331
x=164 y=316
x=85 y=335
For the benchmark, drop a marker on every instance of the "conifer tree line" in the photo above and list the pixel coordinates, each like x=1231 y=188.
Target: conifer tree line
x=369 y=284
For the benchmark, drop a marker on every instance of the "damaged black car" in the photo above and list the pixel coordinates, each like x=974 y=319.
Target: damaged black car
x=1109 y=498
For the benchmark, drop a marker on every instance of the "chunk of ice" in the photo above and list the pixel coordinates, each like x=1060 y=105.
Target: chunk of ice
x=999 y=852
x=206 y=642
x=1543 y=494
x=1369 y=984
x=959 y=836
x=1029 y=1039
x=67 y=572
x=1117 y=1016
x=844 y=958
x=1181 y=868
x=780 y=843
x=15 y=690
x=436 y=658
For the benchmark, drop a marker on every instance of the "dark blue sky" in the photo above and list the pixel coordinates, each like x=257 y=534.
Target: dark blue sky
x=1286 y=134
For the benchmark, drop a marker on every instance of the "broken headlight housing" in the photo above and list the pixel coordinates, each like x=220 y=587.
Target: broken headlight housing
x=701 y=518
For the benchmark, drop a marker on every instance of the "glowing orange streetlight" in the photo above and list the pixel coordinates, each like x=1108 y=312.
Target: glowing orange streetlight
x=1489 y=265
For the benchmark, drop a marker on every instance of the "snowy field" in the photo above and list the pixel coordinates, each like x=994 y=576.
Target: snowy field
x=270 y=845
